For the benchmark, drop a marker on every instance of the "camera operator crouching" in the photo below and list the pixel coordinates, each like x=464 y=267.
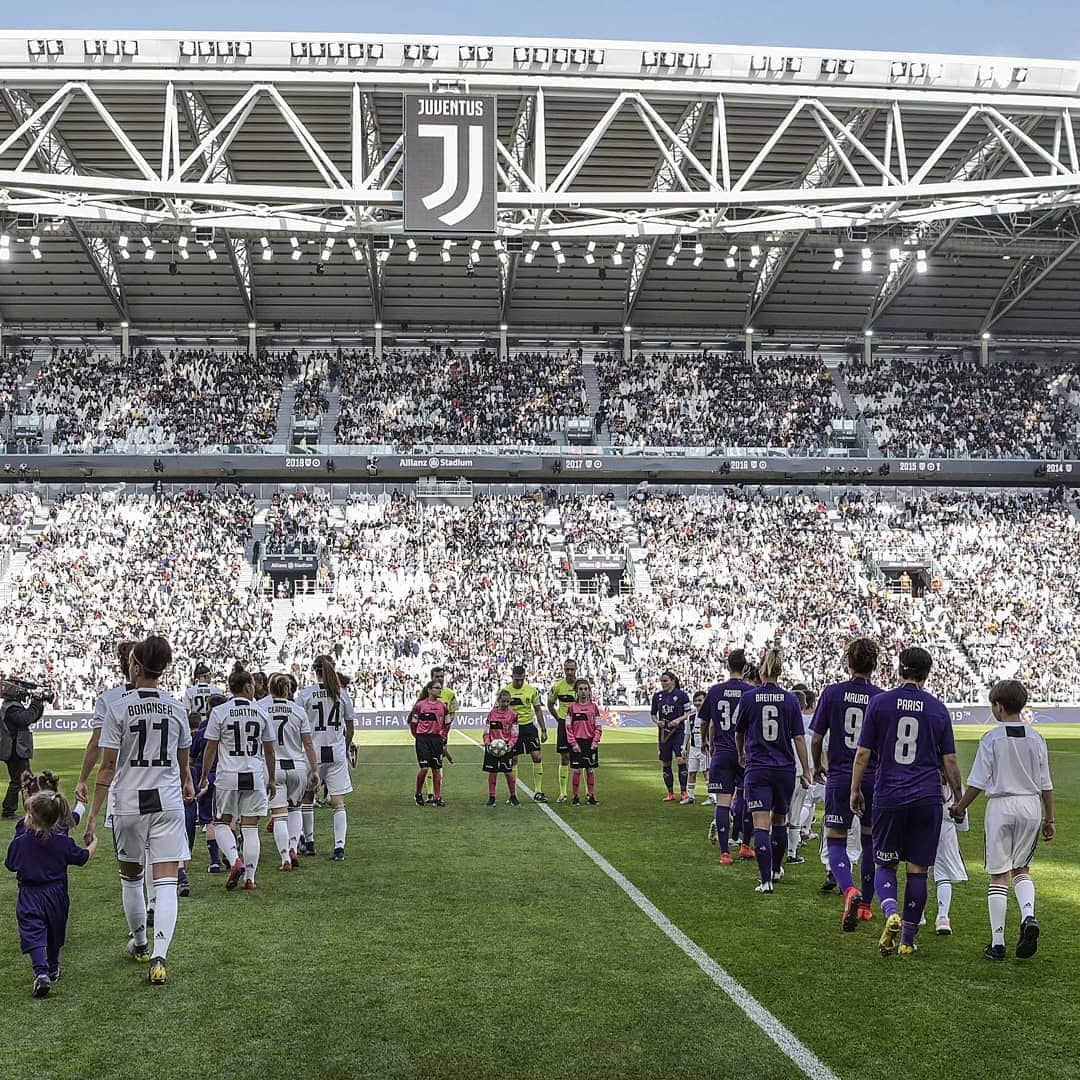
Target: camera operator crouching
x=21 y=706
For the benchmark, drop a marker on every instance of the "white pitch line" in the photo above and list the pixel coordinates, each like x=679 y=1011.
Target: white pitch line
x=808 y=1063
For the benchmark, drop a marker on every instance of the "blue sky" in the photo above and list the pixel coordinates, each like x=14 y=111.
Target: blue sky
x=1049 y=28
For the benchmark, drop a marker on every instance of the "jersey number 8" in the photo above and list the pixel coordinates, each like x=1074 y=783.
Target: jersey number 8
x=907 y=740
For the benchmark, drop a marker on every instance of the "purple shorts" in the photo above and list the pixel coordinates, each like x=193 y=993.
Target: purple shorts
x=671 y=747
x=769 y=789
x=907 y=833
x=724 y=773
x=838 y=812
x=205 y=806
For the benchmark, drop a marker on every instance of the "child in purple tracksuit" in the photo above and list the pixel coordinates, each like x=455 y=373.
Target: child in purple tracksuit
x=40 y=856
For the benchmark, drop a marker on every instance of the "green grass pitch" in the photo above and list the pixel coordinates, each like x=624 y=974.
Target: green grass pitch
x=472 y=943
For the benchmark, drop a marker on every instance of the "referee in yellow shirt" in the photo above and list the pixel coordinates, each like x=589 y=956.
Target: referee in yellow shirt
x=560 y=697
x=532 y=729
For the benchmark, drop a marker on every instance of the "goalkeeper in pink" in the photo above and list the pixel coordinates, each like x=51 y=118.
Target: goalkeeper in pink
x=502 y=723
x=583 y=731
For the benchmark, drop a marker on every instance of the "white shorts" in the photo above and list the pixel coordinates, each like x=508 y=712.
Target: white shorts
x=1012 y=827
x=291 y=785
x=854 y=844
x=240 y=804
x=160 y=837
x=336 y=778
x=697 y=761
x=949 y=864
x=798 y=801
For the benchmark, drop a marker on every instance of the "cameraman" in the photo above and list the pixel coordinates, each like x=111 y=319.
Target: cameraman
x=16 y=739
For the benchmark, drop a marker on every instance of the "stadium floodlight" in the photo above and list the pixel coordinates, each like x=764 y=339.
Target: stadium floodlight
x=837 y=263
x=300 y=50
x=650 y=58
x=555 y=245
x=412 y=254
x=828 y=66
x=749 y=331
x=867 y=253
x=521 y=54
x=503 y=327
x=146 y=241
x=540 y=56
x=921 y=254
x=335 y=50
x=668 y=59
x=560 y=56
x=187 y=48
x=182 y=245
x=777 y=63
x=985 y=73
x=867 y=266
x=986 y=335
x=267 y=254
x=466 y=52
x=729 y=262
x=560 y=258
x=899 y=69
x=122 y=241
x=847 y=67
x=211 y=254
x=476 y=245
x=590 y=258
x=627 y=328
x=410 y=243
x=474 y=257
x=445 y=255
x=686 y=60
x=431 y=52
x=699 y=248
x=243 y=48
x=579 y=56
x=794 y=64
x=838 y=253
x=894 y=254
x=596 y=56
x=755 y=251
x=1019 y=74
x=671 y=258
x=868 y=333
x=917 y=69
x=733 y=250
x=698 y=260
x=207 y=48
x=412 y=52
x=753 y=264
x=921 y=266
x=759 y=64
x=149 y=254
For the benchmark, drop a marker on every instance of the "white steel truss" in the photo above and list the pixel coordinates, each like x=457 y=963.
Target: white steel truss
x=220 y=169
x=53 y=155
x=741 y=181
x=514 y=175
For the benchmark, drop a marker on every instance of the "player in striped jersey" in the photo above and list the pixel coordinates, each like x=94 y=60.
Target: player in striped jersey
x=296 y=765
x=101 y=706
x=197 y=696
x=330 y=711
x=240 y=740
x=145 y=770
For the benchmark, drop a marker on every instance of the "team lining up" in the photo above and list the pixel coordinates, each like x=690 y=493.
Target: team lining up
x=215 y=760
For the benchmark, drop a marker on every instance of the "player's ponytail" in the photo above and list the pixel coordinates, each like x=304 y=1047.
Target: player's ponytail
x=240 y=680
x=153 y=655
x=771 y=667
x=281 y=686
x=328 y=676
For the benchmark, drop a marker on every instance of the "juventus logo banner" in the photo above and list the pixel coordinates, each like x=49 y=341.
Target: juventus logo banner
x=449 y=164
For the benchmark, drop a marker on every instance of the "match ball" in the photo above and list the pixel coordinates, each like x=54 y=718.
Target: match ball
x=498 y=748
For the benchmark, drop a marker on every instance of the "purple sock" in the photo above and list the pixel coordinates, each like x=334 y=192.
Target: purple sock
x=212 y=848
x=763 y=851
x=683 y=776
x=866 y=868
x=669 y=779
x=885 y=884
x=722 y=817
x=736 y=817
x=779 y=846
x=747 y=826
x=839 y=863
x=914 y=904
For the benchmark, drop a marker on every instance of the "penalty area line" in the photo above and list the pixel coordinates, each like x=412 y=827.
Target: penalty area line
x=808 y=1063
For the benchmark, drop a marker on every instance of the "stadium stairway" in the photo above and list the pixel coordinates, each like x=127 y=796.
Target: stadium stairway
x=864 y=435
x=331 y=416
x=279 y=625
x=14 y=568
x=285 y=414
x=592 y=392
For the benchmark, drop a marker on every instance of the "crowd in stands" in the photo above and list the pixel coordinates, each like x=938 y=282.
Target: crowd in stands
x=13 y=367
x=718 y=399
x=182 y=400
x=594 y=525
x=445 y=397
x=313 y=378
x=110 y=566
x=17 y=510
x=946 y=406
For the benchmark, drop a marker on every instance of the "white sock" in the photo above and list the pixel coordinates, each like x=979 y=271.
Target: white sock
x=794 y=835
x=1024 y=888
x=164 y=916
x=341 y=827
x=281 y=837
x=78 y=810
x=944 y=899
x=690 y=788
x=307 y=814
x=997 y=900
x=226 y=840
x=134 y=907
x=295 y=829
x=252 y=850
x=148 y=880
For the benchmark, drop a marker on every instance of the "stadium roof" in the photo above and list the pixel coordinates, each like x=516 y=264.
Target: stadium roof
x=690 y=187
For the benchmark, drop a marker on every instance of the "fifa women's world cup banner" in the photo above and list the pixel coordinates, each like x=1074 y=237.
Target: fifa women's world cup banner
x=613 y=717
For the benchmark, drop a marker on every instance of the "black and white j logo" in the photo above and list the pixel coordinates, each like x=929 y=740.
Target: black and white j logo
x=449 y=164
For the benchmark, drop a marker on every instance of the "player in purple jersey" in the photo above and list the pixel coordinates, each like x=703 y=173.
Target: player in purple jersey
x=768 y=724
x=670 y=707
x=839 y=715
x=718 y=734
x=909 y=732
